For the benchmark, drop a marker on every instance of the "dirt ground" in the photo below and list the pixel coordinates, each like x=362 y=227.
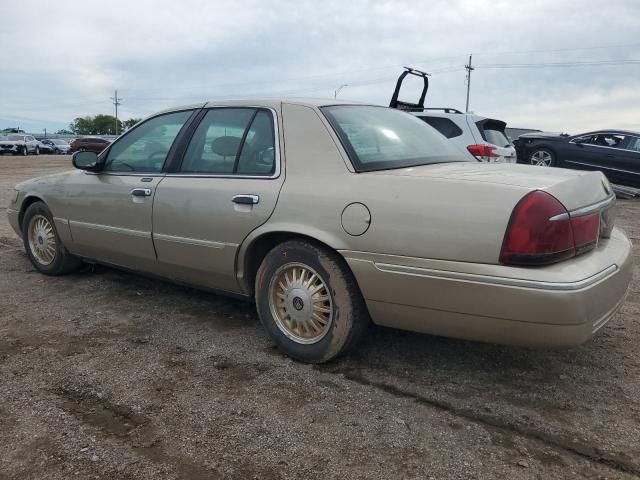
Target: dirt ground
x=105 y=374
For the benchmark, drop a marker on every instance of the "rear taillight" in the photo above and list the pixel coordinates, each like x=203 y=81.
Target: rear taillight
x=585 y=231
x=483 y=153
x=541 y=231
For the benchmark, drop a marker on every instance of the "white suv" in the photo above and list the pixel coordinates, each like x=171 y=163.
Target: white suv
x=484 y=138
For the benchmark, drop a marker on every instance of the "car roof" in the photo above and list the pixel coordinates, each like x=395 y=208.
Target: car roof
x=265 y=102
x=610 y=130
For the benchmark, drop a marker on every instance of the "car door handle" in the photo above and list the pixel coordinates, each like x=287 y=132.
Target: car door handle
x=246 y=199
x=141 y=192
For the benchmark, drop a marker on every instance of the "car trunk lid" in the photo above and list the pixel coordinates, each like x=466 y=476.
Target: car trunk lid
x=574 y=189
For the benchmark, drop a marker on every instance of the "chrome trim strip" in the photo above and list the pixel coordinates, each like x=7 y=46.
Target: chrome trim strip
x=595 y=207
x=561 y=216
x=602 y=166
x=192 y=241
x=490 y=279
x=109 y=228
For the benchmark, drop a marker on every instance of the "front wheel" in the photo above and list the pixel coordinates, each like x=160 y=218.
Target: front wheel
x=309 y=301
x=25 y=152
x=542 y=157
x=42 y=244
x=37 y=150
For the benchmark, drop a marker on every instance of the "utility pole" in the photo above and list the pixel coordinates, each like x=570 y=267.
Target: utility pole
x=469 y=69
x=116 y=101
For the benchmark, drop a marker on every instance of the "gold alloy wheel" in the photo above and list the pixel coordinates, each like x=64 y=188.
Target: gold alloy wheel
x=300 y=303
x=42 y=239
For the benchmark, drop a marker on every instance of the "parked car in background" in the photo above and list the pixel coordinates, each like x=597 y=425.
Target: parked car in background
x=379 y=217
x=482 y=138
x=91 y=144
x=45 y=145
x=55 y=145
x=19 y=144
x=614 y=152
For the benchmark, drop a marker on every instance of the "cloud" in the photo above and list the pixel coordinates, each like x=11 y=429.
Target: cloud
x=69 y=58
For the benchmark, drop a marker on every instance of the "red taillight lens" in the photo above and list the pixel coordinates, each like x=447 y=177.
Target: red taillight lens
x=585 y=231
x=482 y=152
x=539 y=232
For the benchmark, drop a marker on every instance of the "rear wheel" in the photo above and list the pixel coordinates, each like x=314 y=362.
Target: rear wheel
x=543 y=157
x=37 y=150
x=309 y=302
x=42 y=243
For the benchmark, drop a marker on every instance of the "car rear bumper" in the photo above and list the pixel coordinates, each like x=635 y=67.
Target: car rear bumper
x=558 y=305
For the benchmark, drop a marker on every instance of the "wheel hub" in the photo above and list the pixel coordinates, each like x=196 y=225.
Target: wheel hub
x=42 y=240
x=300 y=303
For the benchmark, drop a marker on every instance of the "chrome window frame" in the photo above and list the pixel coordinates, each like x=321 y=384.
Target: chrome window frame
x=277 y=155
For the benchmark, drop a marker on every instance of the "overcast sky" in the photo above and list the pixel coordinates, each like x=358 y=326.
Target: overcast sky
x=64 y=59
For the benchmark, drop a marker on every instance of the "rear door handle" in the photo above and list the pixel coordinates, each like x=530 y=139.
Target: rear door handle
x=141 y=192
x=246 y=199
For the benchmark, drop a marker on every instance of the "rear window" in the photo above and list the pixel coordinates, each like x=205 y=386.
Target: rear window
x=445 y=126
x=380 y=138
x=493 y=132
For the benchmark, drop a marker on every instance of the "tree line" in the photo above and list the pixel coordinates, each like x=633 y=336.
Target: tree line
x=100 y=125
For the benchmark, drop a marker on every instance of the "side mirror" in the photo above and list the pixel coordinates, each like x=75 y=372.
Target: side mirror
x=85 y=160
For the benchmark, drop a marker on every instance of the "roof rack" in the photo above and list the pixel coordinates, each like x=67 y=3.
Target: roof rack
x=422 y=109
x=395 y=103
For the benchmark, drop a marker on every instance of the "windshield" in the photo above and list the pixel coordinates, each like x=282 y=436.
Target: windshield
x=15 y=137
x=59 y=142
x=380 y=138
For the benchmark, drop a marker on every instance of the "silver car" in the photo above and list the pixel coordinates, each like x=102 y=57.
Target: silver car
x=333 y=215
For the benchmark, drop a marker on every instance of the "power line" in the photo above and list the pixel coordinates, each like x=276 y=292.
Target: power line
x=559 y=64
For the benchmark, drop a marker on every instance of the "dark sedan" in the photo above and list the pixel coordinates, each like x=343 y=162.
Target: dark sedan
x=92 y=144
x=614 y=152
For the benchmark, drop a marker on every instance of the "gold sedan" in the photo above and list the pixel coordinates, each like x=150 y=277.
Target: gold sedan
x=333 y=215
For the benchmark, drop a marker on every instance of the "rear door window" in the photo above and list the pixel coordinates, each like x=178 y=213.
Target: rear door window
x=232 y=141
x=445 y=126
x=634 y=144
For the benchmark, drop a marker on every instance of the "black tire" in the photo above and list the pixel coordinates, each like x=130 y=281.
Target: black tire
x=37 y=150
x=350 y=318
x=25 y=151
x=63 y=262
x=538 y=154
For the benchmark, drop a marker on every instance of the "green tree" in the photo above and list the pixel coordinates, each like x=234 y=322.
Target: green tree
x=82 y=126
x=106 y=125
x=127 y=124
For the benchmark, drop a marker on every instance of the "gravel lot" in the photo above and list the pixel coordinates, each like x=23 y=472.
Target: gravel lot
x=105 y=374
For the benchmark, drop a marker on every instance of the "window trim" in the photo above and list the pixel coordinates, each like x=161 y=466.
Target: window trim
x=604 y=132
x=105 y=153
x=175 y=170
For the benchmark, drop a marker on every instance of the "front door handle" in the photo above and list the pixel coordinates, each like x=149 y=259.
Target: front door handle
x=141 y=192
x=246 y=199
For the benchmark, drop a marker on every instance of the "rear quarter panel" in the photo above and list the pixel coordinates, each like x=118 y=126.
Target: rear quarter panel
x=421 y=217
